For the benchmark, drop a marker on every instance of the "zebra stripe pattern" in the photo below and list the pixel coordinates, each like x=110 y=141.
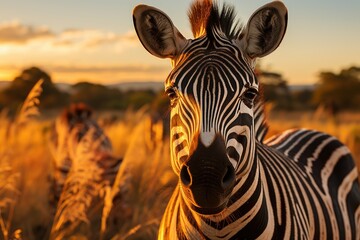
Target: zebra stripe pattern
x=69 y=132
x=221 y=96
x=301 y=184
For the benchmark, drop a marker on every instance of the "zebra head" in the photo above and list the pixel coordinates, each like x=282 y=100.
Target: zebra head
x=212 y=87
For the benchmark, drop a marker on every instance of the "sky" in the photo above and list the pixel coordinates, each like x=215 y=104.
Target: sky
x=95 y=40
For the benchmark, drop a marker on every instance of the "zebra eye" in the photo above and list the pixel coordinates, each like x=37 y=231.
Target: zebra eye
x=250 y=94
x=171 y=92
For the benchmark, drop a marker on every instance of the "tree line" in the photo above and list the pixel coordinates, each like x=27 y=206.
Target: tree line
x=333 y=91
x=336 y=91
x=95 y=95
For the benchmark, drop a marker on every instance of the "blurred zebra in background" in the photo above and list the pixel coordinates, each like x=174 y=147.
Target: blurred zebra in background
x=84 y=168
x=70 y=128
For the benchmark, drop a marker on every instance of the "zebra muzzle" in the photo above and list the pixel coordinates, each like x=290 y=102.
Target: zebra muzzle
x=207 y=178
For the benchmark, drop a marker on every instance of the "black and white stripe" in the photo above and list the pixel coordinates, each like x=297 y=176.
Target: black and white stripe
x=70 y=131
x=301 y=184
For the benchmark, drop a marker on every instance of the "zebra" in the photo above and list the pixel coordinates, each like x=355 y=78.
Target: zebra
x=68 y=134
x=85 y=172
x=301 y=184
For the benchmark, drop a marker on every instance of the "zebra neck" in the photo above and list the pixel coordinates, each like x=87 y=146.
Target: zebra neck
x=261 y=126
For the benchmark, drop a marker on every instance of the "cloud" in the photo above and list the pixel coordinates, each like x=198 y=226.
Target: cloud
x=8 y=67
x=91 y=73
x=90 y=39
x=16 y=33
x=118 y=68
x=93 y=68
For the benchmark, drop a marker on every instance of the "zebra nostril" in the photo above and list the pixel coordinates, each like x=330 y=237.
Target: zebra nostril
x=185 y=176
x=229 y=178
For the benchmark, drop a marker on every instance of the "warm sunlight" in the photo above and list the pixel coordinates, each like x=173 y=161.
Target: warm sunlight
x=7 y=75
x=193 y=119
x=5 y=49
x=309 y=46
x=111 y=75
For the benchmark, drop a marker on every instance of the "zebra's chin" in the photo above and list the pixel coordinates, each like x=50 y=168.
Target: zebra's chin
x=209 y=211
x=206 y=199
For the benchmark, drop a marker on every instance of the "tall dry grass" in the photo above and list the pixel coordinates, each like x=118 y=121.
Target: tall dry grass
x=86 y=168
x=143 y=185
x=84 y=184
x=10 y=174
x=141 y=193
x=133 y=207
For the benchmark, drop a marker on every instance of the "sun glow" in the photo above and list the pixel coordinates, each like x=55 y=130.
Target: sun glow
x=6 y=75
x=4 y=49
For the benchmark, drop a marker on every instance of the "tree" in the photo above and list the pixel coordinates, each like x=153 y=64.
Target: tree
x=339 y=91
x=137 y=99
x=302 y=99
x=98 y=96
x=101 y=97
x=51 y=97
x=275 y=89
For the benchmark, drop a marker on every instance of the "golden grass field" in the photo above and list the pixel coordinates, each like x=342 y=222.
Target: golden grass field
x=27 y=167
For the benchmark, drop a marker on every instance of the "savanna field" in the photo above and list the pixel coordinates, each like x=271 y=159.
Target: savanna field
x=131 y=207
x=86 y=93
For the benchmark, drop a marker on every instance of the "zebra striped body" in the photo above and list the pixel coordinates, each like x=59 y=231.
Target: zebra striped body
x=290 y=194
x=85 y=170
x=325 y=182
x=298 y=185
x=69 y=135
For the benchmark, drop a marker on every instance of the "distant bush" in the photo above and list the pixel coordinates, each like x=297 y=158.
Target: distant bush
x=276 y=90
x=12 y=96
x=97 y=96
x=102 y=97
x=339 y=91
x=334 y=91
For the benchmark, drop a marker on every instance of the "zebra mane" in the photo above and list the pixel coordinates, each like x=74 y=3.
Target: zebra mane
x=205 y=15
x=76 y=113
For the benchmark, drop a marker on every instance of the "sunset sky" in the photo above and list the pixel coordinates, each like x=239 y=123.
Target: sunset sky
x=95 y=40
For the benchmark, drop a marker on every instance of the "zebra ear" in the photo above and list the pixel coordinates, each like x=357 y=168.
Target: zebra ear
x=265 y=30
x=156 y=32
